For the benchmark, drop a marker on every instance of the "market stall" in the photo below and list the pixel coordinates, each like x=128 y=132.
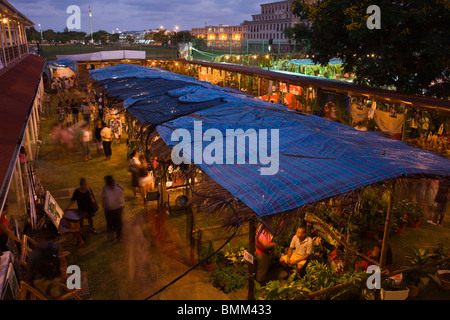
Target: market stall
x=317 y=159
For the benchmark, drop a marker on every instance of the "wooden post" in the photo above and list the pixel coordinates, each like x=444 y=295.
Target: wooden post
x=251 y=266
x=387 y=227
x=387 y=230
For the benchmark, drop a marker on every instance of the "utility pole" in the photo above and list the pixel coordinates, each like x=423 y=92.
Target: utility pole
x=90 y=21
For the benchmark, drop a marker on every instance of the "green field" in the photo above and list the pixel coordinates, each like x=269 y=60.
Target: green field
x=153 y=52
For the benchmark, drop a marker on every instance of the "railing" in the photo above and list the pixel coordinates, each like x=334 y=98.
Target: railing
x=11 y=53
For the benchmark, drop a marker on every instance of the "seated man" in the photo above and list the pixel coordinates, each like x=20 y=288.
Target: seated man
x=299 y=251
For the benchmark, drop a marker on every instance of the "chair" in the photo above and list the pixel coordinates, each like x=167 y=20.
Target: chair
x=36 y=294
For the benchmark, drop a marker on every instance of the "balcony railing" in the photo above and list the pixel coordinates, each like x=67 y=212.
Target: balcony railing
x=11 y=53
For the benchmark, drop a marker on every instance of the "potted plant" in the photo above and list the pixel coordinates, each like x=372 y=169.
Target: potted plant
x=399 y=221
x=206 y=252
x=417 y=279
x=412 y=210
x=373 y=210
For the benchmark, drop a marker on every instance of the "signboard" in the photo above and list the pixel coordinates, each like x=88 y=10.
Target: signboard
x=52 y=209
x=11 y=289
x=248 y=257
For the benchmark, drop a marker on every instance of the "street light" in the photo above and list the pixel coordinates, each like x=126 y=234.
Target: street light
x=40 y=30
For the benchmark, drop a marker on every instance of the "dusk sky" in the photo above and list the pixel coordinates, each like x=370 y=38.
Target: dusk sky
x=139 y=14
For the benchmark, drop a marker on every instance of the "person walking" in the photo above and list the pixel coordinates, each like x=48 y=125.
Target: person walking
x=85 y=139
x=97 y=136
x=107 y=137
x=86 y=111
x=440 y=203
x=134 y=168
x=86 y=203
x=61 y=113
x=75 y=111
x=68 y=113
x=113 y=203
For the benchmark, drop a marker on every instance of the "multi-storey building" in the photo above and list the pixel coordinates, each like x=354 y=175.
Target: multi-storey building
x=274 y=18
x=222 y=32
x=264 y=29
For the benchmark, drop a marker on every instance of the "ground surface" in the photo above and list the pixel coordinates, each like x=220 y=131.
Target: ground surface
x=142 y=263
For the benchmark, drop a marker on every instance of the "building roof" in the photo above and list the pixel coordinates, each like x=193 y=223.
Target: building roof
x=18 y=85
x=8 y=9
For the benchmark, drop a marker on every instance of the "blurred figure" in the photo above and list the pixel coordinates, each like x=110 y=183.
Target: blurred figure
x=61 y=113
x=85 y=139
x=75 y=111
x=113 y=203
x=134 y=166
x=22 y=159
x=67 y=113
x=86 y=111
x=43 y=266
x=97 y=136
x=440 y=206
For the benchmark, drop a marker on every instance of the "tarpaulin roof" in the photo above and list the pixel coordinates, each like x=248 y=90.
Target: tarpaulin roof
x=62 y=64
x=318 y=158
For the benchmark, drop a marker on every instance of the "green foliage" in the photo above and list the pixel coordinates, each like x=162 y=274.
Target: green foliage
x=373 y=207
x=409 y=52
x=411 y=209
x=318 y=277
x=230 y=272
x=206 y=251
x=418 y=257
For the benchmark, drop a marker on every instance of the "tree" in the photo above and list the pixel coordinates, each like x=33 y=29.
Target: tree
x=100 y=36
x=182 y=36
x=410 y=51
x=161 y=36
x=49 y=35
x=33 y=34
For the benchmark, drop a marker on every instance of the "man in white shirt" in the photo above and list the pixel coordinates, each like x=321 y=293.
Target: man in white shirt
x=107 y=137
x=113 y=203
x=299 y=251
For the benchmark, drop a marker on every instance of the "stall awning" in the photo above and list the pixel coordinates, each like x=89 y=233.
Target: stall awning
x=318 y=158
x=18 y=87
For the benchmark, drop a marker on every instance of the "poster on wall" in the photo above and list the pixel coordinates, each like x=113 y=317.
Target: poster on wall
x=52 y=209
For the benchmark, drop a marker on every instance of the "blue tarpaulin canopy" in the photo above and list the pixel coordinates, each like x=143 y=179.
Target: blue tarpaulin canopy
x=62 y=64
x=317 y=158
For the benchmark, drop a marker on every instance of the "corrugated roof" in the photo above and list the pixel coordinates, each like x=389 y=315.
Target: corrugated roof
x=18 y=87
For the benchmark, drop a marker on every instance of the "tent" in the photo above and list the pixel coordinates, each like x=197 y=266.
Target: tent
x=318 y=158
